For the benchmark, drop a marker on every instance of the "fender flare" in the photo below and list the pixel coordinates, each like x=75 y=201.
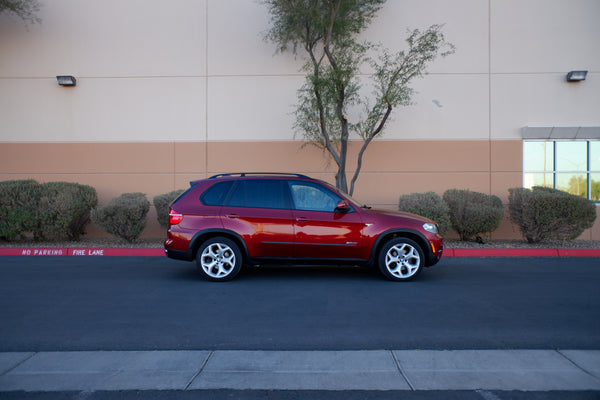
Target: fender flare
x=407 y=233
x=202 y=236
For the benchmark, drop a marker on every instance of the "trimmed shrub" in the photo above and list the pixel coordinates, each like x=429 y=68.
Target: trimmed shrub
x=65 y=209
x=162 y=203
x=429 y=205
x=543 y=213
x=53 y=210
x=473 y=213
x=123 y=216
x=19 y=200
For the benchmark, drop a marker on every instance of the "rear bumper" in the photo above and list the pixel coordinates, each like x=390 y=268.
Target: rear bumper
x=178 y=255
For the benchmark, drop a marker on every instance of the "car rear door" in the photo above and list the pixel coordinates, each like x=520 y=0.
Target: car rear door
x=260 y=211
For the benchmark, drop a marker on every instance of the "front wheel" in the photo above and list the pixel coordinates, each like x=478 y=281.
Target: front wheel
x=401 y=259
x=219 y=259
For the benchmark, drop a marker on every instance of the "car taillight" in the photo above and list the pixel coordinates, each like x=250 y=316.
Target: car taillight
x=174 y=217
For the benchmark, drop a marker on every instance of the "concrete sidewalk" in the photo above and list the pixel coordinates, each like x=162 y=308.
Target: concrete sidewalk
x=531 y=370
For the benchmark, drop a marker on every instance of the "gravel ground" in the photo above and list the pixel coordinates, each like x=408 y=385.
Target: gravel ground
x=522 y=244
x=158 y=243
x=95 y=242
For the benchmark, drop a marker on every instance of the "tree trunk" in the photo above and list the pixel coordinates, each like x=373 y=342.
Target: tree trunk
x=340 y=180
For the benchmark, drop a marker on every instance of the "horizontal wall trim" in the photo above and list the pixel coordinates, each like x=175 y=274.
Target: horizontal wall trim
x=296 y=141
x=561 y=132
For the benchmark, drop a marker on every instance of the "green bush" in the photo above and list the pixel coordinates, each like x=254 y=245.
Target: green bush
x=429 y=205
x=123 y=216
x=53 y=210
x=543 y=213
x=162 y=203
x=19 y=208
x=65 y=209
x=473 y=213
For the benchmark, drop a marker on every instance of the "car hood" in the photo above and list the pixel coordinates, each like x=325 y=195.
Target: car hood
x=402 y=214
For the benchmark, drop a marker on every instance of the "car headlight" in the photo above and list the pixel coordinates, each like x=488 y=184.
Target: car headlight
x=430 y=227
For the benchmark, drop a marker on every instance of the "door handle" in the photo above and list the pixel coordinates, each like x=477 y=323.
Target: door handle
x=301 y=219
x=232 y=216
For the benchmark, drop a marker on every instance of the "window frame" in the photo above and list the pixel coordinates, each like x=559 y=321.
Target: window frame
x=554 y=172
x=287 y=201
x=317 y=186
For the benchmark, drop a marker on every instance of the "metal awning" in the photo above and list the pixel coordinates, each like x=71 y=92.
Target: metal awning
x=561 y=132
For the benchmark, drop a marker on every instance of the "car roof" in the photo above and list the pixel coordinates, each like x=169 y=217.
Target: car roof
x=238 y=175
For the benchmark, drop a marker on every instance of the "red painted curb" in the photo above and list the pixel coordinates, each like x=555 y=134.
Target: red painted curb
x=504 y=253
x=579 y=252
x=521 y=252
x=78 y=252
x=28 y=251
x=119 y=252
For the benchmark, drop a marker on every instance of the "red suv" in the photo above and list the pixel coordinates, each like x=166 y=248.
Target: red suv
x=229 y=220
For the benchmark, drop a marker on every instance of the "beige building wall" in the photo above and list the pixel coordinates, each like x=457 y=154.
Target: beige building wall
x=165 y=95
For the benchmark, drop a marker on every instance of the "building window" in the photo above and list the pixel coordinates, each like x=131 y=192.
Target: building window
x=571 y=166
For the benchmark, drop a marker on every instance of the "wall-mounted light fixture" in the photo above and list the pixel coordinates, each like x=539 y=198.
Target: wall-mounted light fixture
x=66 y=80
x=576 y=76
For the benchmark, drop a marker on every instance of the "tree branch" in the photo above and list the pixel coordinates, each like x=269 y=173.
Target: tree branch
x=322 y=124
x=366 y=144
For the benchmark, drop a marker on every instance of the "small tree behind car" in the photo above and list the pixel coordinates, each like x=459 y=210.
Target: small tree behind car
x=327 y=33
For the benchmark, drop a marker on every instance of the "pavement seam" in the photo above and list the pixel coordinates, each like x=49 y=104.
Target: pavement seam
x=200 y=371
x=402 y=372
x=33 y=354
x=576 y=365
x=487 y=395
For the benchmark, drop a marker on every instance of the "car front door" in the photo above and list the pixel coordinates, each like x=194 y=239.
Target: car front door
x=321 y=232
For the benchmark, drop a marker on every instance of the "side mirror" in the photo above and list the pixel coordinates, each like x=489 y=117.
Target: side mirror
x=342 y=206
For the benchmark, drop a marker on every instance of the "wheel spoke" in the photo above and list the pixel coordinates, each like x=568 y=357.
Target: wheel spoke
x=230 y=261
x=212 y=251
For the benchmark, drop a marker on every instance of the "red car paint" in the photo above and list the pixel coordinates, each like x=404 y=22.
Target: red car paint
x=292 y=226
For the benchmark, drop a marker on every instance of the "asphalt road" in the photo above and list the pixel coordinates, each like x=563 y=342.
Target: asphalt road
x=300 y=395
x=148 y=303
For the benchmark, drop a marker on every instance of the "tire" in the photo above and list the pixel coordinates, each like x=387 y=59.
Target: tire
x=219 y=259
x=401 y=259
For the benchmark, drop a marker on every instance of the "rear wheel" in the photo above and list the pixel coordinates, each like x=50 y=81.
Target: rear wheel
x=219 y=259
x=401 y=259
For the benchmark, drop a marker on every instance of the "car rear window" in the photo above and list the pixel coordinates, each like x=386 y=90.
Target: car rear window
x=258 y=193
x=216 y=194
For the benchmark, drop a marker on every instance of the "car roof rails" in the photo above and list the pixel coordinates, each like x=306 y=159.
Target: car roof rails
x=258 y=173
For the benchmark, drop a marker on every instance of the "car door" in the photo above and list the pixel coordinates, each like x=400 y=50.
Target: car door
x=320 y=230
x=260 y=211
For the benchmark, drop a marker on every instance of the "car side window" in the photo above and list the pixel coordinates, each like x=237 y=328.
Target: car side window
x=216 y=194
x=258 y=193
x=308 y=197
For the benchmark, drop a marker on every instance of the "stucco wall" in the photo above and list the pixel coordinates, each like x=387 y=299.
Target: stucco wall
x=166 y=94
